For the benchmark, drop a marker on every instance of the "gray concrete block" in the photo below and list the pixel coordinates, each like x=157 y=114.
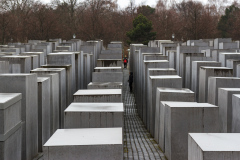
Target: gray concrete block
x=65 y=59
x=34 y=61
x=172 y=57
x=62 y=88
x=54 y=100
x=68 y=69
x=183 y=118
x=109 y=63
x=220 y=82
x=108 y=69
x=224 y=56
x=208 y=146
x=44 y=122
x=4 y=67
x=168 y=94
x=219 y=40
x=195 y=74
x=41 y=60
x=11 y=144
x=215 y=53
x=235 y=113
x=228 y=45
x=82 y=144
x=158 y=56
x=170 y=81
x=225 y=108
x=188 y=69
x=18 y=64
x=232 y=63
x=182 y=64
x=184 y=49
x=143 y=76
x=110 y=52
x=15 y=50
x=94 y=115
x=10 y=113
x=110 y=56
x=27 y=85
x=107 y=77
x=105 y=85
x=98 y=95
x=204 y=74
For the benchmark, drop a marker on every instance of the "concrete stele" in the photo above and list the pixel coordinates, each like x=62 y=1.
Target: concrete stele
x=168 y=94
x=91 y=143
x=184 y=117
x=220 y=82
x=207 y=146
x=98 y=95
x=225 y=108
x=94 y=115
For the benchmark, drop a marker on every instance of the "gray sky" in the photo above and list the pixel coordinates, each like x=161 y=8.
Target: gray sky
x=125 y=3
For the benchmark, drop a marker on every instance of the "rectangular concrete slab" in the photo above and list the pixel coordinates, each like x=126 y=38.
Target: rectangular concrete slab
x=98 y=95
x=62 y=87
x=54 y=100
x=205 y=73
x=224 y=56
x=220 y=82
x=82 y=144
x=44 y=126
x=68 y=69
x=168 y=94
x=236 y=113
x=173 y=81
x=208 y=146
x=10 y=112
x=185 y=117
x=105 y=85
x=18 y=64
x=225 y=108
x=94 y=115
x=27 y=85
x=65 y=59
x=109 y=63
x=107 y=77
x=40 y=55
x=4 y=67
x=232 y=63
x=195 y=74
x=108 y=69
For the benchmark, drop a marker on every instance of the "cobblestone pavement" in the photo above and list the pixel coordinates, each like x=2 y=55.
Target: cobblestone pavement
x=138 y=143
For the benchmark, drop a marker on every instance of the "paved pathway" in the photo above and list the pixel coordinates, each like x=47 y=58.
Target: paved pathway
x=138 y=143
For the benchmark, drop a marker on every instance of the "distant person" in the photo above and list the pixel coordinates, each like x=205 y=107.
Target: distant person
x=130 y=80
x=125 y=61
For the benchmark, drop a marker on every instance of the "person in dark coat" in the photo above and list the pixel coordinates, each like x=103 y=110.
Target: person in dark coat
x=130 y=80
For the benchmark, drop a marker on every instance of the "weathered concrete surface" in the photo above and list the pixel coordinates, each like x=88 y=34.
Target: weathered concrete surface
x=85 y=144
x=98 y=95
x=197 y=117
x=105 y=85
x=27 y=85
x=225 y=108
x=220 y=146
x=94 y=115
x=220 y=82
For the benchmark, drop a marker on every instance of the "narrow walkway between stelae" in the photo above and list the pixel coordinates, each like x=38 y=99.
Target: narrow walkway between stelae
x=138 y=143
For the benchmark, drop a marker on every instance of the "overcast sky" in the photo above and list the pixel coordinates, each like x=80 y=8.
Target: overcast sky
x=124 y=3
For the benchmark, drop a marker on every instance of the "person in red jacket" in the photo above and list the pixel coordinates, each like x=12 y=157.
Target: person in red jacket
x=125 y=61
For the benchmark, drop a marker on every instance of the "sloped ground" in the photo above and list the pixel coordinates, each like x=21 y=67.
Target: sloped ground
x=138 y=143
